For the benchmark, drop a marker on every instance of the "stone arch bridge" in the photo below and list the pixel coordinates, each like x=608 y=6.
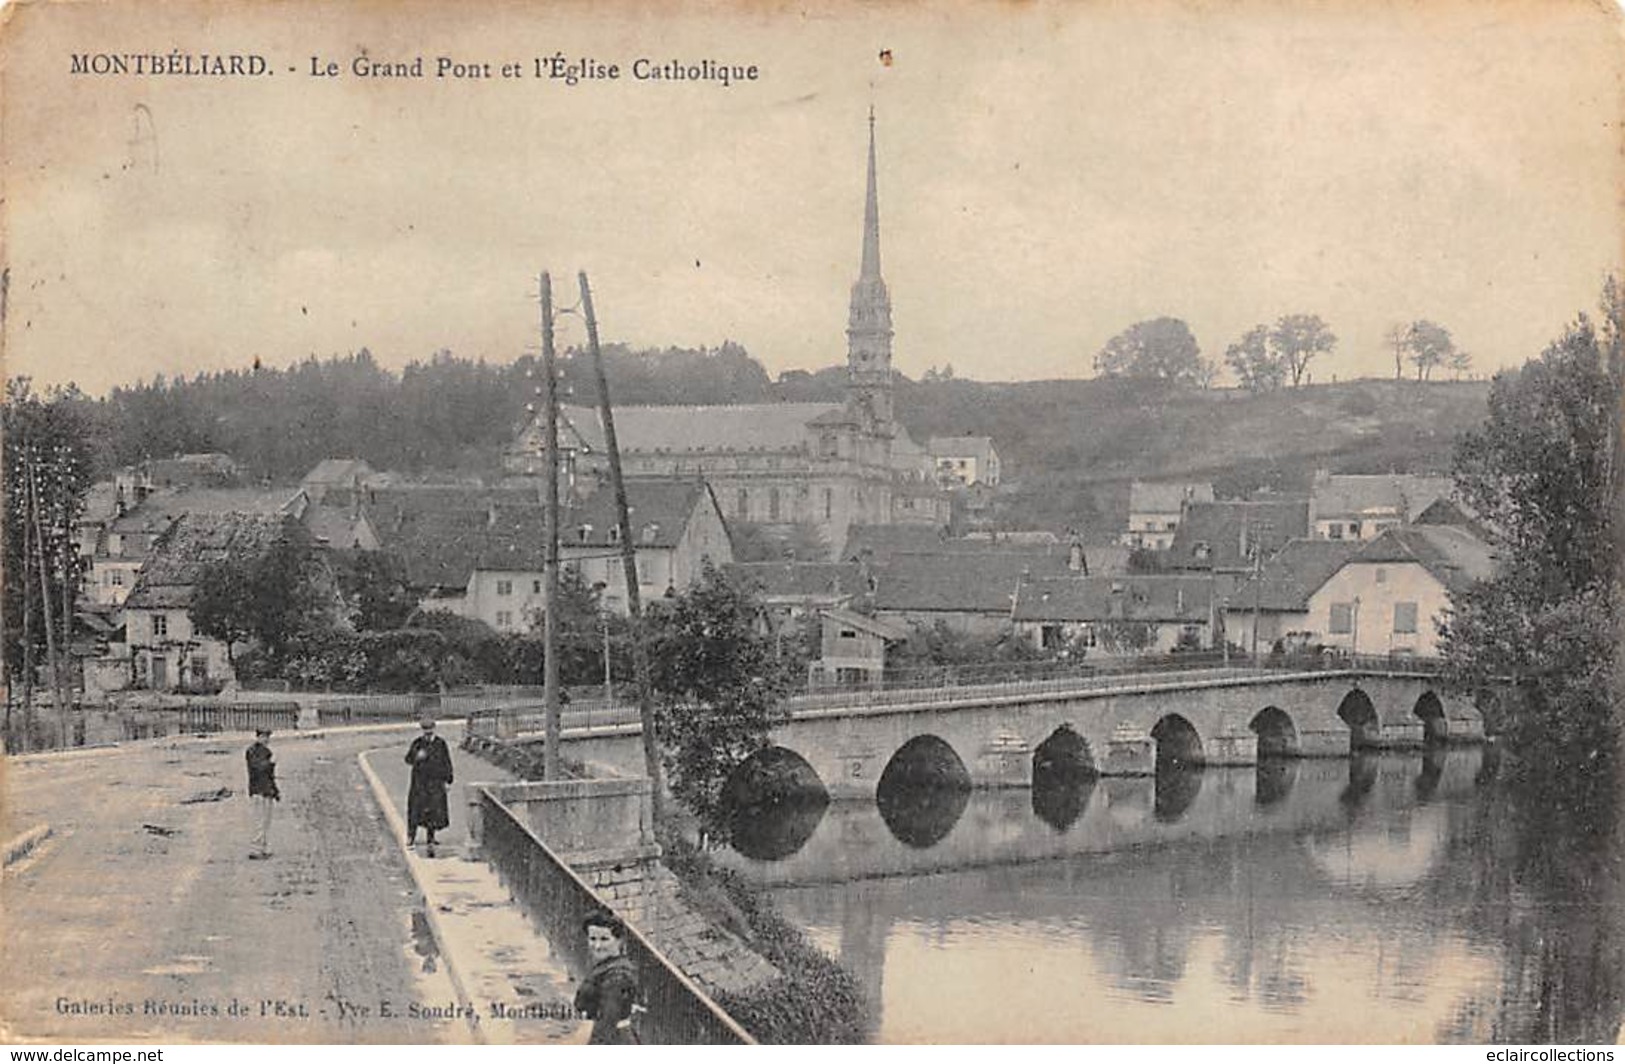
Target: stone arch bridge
x=986 y=738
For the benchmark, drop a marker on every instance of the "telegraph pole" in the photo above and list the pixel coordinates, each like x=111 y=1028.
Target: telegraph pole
x=550 y=564
x=45 y=599
x=629 y=562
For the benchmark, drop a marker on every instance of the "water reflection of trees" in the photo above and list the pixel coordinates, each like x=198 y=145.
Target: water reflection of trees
x=1546 y=860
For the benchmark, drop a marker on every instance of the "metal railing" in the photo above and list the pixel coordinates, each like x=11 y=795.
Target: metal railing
x=240 y=716
x=557 y=900
x=958 y=686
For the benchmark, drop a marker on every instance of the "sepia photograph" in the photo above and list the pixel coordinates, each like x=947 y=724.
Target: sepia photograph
x=752 y=523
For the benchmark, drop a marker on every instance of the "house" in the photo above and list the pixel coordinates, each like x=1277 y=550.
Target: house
x=1120 y=616
x=1234 y=536
x=209 y=470
x=1389 y=596
x=122 y=544
x=792 y=590
x=1277 y=599
x=1155 y=510
x=852 y=649
x=1361 y=507
x=960 y=461
x=337 y=475
x=479 y=553
x=164 y=650
x=1384 y=596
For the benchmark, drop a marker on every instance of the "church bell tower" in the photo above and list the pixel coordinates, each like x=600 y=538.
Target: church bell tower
x=868 y=325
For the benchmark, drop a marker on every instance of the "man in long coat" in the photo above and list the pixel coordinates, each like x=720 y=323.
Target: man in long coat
x=430 y=759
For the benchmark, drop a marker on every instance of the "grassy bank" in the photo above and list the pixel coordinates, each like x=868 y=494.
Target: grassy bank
x=814 y=1000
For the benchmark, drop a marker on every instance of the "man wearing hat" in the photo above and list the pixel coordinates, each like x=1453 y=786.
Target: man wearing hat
x=262 y=791
x=431 y=775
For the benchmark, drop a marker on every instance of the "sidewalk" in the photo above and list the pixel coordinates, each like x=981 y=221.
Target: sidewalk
x=496 y=960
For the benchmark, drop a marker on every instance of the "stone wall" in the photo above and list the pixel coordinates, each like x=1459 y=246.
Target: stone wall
x=604 y=831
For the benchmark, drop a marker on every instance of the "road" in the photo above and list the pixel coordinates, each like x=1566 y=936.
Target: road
x=143 y=920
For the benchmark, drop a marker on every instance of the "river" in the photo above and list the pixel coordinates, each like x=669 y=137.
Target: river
x=1390 y=897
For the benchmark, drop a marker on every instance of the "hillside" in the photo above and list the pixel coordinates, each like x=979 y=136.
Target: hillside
x=1070 y=447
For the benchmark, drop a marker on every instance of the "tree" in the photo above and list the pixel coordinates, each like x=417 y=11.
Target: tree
x=273 y=598
x=1395 y=338
x=1545 y=475
x=1255 y=365
x=718 y=686
x=1160 y=349
x=374 y=586
x=1460 y=362
x=1297 y=339
x=46 y=472
x=1428 y=345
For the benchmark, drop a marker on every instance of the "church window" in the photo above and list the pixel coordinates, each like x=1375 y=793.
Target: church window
x=773 y=504
x=829 y=503
x=744 y=504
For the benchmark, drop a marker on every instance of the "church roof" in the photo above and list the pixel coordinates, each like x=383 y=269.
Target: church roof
x=742 y=427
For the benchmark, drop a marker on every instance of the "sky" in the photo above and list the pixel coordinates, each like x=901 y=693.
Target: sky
x=1050 y=173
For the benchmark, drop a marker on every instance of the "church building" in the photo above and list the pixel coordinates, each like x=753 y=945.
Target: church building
x=827 y=465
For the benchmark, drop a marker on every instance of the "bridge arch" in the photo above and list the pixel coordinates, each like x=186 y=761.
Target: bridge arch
x=1365 y=728
x=923 y=791
x=1178 y=742
x=770 y=775
x=1435 y=727
x=1065 y=753
x=1277 y=735
x=926 y=761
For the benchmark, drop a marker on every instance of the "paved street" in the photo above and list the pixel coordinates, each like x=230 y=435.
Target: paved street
x=142 y=919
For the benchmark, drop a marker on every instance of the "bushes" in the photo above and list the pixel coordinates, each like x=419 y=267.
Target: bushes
x=814 y=1000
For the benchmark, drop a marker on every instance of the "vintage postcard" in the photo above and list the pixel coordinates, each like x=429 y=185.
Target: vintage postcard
x=1056 y=406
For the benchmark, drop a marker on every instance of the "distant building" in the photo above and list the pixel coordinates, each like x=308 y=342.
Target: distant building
x=479 y=553
x=1360 y=507
x=118 y=539
x=791 y=590
x=1120 y=616
x=1233 y=536
x=209 y=470
x=852 y=649
x=1383 y=596
x=829 y=465
x=1155 y=510
x=346 y=475
x=964 y=460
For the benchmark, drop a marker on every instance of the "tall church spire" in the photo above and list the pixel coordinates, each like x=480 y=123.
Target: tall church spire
x=871 y=215
x=868 y=323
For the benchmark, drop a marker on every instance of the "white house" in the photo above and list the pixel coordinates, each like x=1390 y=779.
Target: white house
x=1386 y=596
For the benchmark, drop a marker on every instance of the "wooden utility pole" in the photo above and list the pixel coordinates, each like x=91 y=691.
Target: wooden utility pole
x=45 y=600
x=550 y=564
x=629 y=562
x=28 y=610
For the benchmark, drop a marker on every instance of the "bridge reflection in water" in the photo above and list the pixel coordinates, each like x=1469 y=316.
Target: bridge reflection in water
x=1312 y=901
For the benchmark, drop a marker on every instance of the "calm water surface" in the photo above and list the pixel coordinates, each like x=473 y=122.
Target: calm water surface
x=1388 y=898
